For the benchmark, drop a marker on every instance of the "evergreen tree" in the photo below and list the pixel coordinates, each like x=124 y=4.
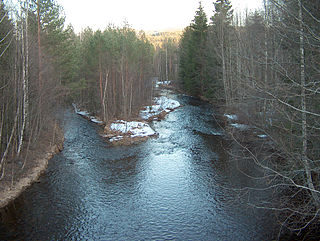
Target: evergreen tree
x=220 y=33
x=223 y=13
x=115 y=72
x=192 y=54
x=186 y=65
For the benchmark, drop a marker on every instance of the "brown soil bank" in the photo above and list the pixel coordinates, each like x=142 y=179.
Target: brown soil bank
x=16 y=178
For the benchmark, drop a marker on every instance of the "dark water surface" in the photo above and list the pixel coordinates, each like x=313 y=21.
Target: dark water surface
x=167 y=188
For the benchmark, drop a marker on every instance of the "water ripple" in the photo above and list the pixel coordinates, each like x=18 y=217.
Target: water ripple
x=165 y=189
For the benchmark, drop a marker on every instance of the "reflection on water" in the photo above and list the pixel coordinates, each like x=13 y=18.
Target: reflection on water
x=165 y=188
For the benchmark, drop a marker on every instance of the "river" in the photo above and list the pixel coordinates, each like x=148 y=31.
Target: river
x=168 y=188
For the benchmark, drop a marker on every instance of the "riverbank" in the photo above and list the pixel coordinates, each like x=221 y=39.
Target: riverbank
x=136 y=129
x=23 y=172
x=170 y=187
x=122 y=132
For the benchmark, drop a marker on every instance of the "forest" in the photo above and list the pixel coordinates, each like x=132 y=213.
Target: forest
x=262 y=66
x=45 y=65
x=265 y=69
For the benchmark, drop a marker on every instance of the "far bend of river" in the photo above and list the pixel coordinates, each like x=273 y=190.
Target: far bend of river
x=168 y=188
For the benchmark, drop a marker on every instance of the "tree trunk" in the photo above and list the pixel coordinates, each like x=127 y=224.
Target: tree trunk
x=1 y=124
x=304 y=109
x=39 y=45
x=114 y=77
x=131 y=96
x=4 y=156
x=167 y=78
x=123 y=89
x=266 y=55
x=100 y=82
x=25 y=74
x=40 y=70
x=224 y=74
x=105 y=97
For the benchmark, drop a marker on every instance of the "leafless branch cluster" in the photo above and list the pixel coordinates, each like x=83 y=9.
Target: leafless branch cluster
x=274 y=68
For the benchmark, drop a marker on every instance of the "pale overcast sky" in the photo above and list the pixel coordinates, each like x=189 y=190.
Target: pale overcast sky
x=140 y=14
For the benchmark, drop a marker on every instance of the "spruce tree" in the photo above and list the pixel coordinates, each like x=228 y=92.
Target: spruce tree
x=192 y=47
x=223 y=12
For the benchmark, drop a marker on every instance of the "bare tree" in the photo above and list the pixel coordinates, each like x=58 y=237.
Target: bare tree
x=25 y=76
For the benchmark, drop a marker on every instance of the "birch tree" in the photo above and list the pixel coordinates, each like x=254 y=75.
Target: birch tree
x=221 y=23
x=25 y=76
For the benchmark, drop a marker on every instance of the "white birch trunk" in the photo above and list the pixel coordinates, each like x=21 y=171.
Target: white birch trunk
x=4 y=156
x=131 y=96
x=224 y=77
x=123 y=88
x=167 y=78
x=105 y=96
x=25 y=73
x=266 y=53
x=2 y=122
x=304 y=110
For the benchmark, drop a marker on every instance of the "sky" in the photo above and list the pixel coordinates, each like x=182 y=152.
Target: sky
x=140 y=14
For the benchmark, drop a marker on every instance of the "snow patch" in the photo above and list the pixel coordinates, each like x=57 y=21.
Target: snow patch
x=262 y=136
x=161 y=104
x=231 y=117
x=241 y=127
x=160 y=83
x=133 y=128
x=116 y=138
x=215 y=133
x=166 y=103
x=83 y=113
x=87 y=115
x=96 y=120
x=208 y=131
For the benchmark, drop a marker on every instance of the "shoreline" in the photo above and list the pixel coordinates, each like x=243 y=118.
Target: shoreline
x=118 y=132
x=31 y=174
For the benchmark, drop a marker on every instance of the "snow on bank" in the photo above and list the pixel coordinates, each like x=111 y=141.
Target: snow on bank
x=123 y=131
x=162 y=104
x=231 y=117
x=241 y=127
x=166 y=103
x=87 y=115
x=161 y=83
x=96 y=120
x=130 y=129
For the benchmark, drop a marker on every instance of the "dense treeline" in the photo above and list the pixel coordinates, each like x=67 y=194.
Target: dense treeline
x=29 y=83
x=44 y=64
x=115 y=70
x=166 y=60
x=265 y=68
x=158 y=38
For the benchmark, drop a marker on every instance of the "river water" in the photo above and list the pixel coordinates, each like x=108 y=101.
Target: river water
x=168 y=188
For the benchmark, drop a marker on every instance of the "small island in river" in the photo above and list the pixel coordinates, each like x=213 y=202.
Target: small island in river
x=127 y=132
